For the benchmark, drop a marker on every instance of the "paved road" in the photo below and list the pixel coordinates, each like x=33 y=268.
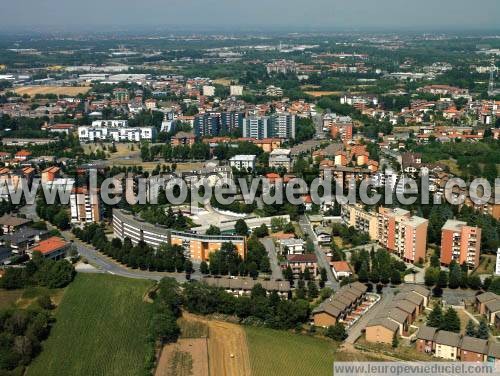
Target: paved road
x=323 y=261
x=355 y=331
x=103 y=263
x=273 y=258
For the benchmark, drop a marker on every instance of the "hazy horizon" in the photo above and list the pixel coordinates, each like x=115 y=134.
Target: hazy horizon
x=256 y=14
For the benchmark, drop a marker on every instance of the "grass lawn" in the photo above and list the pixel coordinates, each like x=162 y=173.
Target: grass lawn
x=101 y=329
x=280 y=353
x=486 y=265
x=8 y=298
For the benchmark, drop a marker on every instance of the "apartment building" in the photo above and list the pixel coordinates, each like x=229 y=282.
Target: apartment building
x=197 y=247
x=461 y=243
x=355 y=216
x=275 y=126
x=85 y=205
x=117 y=134
x=243 y=162
x=403 y=234
x=280 y=158
x=212 y=124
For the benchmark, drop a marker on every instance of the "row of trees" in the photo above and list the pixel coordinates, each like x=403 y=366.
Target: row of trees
x=447 y=320
x=271 y=310
x=377 y=266
x=227 y=260
x=456 y=277
x=169 y=258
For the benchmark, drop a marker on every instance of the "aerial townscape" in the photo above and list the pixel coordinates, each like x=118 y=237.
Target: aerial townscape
x=247 y=201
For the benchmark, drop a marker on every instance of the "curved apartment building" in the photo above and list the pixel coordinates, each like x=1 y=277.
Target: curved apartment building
x=197 y=247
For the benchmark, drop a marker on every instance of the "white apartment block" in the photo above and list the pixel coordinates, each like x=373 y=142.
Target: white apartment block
x=243 y=162
x=115 y=133
x=84 y=206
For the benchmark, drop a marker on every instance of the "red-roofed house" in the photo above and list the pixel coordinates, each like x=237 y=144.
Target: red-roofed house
x=299 y=263
x=341 y=269
x=23 y=155
x=53 y=248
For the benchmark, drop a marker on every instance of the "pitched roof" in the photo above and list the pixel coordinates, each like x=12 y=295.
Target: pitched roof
x=444 y=337
x=308 y=257
x=50 y=245
x=493 y=305
x=476 y=345
x=386 y=323
x=12 y=221
x=494 y=349
x=487 y=296
x=426 y=333
x=341 y=266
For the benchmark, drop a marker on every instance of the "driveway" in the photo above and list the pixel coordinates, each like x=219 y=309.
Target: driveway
x=273 y=258
x=323 y=261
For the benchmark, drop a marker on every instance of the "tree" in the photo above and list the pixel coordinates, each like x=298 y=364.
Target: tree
x=482 y=330
x=213 y=230
x=431 y=276
x=395 y=340
x=336 y=332
x=494 y=286
x=435 y=318
x=455 y=277
x=312 y=290
x=363 y=273
x=261 y=231
x=165 y=327
x=241 y=227
x=470 y=330
x=45 y=302
x=474 y=282
x=442 y=279
x=204 y=268
x=396 y=277
x=252 y=270
x=451 y=321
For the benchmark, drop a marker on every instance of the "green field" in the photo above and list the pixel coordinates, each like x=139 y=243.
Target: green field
x=280 y=353
x=101 y=329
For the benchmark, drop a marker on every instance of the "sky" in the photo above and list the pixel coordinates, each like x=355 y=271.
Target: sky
x=70 y=15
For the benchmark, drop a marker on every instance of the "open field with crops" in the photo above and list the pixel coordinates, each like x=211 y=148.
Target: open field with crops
x=57 y=90
x=101 y=329
x=282 y=353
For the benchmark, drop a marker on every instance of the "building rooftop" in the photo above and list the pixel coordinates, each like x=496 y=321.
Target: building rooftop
x=50 y=245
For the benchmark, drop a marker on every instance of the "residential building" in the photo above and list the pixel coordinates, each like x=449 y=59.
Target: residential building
x=381 y=330
x=355 y=216
x=183 y=138
x=461 y=243
x=402 y=233
x=235 y=90
x=473 y=349
x=341 y=269
x=54 y=248
x=243 y=286
x=243 y=162
x=23 y=239
x=425 y=339
x=117 y=134
x=338 y=307
x=447 y=345
x=299 y=263
x=208 y=91
x=292 y=246
x=50 y=174
x=85 y=205
x=197 y=247
x=280 y=158
x=10 y=223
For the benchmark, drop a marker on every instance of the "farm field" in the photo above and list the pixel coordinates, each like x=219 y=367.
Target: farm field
x=57 y=90
x=101 y=329
x=282 y=353
x=206 y=347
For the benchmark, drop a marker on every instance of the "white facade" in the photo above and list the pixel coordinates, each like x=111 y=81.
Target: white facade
x=114 y=130
x=236 y=90
x=208 y=91
x=243 y=162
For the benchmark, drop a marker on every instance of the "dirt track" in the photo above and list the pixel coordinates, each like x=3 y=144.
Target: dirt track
x=225 y=350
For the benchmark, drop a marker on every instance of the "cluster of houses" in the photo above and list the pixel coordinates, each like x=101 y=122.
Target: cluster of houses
x=396 y=317
x=453 y=346
x=349 y=302
x=20 y=238
x=243 y=286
